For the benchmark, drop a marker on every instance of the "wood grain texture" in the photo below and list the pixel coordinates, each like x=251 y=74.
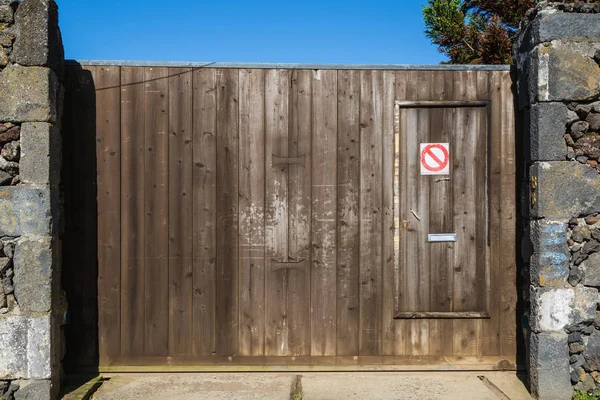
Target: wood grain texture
x=300 y=206
x=215 y=255
x=108 y=154
x=252 y=212
x=348 y=228
x=388 y=324
x=132 y=211
x=180 y=210
x=441 y=221
x=156 y=207
x=324 y=214
x=464 y=175
x=277 y=214
x=508 y=288
x=227 y=212
x=370 y=212
x=204 y=215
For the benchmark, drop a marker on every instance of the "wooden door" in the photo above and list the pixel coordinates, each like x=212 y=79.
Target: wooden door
x=444 y=212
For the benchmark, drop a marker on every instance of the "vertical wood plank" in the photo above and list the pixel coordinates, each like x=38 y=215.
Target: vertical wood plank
x=277 y=214
x=324 y=215
x=348 y=197
x=180 y=210
x=508 y=281
x=464 y=176
x=204 y=211
x=440 y=199
x=299 y=186
x=387 y=320
x=371 y=146
x=400 y=193
x=132 y=211
x=156 y=208
x=227 y=212
x=491 y=345
x=481 y=284
x=252 y=212
x=108 y=156
x=416 y=256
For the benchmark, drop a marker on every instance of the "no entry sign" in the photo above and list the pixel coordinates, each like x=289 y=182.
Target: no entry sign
x=435 y=159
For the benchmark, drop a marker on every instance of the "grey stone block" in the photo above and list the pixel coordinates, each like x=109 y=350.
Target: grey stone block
x=40 y=153
x=591 y=270
x=28 y=211
x=565 y=190
x=550 y=260
x=26 y=348
x=562 y=74
x=6 y=13
x=29 y=94
x=549 y=374
x=550 y=25
x=34 y=273
x=554 y=309
x=36 y=390
x=39 y=41
x=548 y=124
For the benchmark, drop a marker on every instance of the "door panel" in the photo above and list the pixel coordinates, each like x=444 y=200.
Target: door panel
x=444 y=277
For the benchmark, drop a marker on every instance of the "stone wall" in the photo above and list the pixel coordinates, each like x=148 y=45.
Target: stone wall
x=31 y=68
x=558 y=55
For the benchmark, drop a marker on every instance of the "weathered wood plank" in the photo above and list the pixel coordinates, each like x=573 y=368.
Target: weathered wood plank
x=227 y=212
x=324 y=215
x=108 y=155
x=371 y=178
x=132 y=211
x=508 y=288
x=440 y=215
x=464 y=176
x=418 y=273
x=400 y=171
x=156 y=207
x=252 y=212
x=388 y=325
x=180 y=210
x=348 y=197
x=299 y=187
x=277 y=212
x=204 y=211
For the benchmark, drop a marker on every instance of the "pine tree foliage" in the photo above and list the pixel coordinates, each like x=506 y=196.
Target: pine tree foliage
x=475 y=31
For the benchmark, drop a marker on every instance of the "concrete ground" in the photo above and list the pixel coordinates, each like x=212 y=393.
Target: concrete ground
x=315 y=386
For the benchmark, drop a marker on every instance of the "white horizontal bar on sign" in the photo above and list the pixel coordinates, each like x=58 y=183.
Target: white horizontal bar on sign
x=441 y=237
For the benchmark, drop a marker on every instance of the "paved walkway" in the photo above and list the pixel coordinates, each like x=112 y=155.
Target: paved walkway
x=315 y=386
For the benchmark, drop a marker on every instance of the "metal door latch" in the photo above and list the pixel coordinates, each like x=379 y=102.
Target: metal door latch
x=276 y=160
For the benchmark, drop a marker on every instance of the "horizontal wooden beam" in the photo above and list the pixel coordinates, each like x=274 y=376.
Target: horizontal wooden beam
x=442 y=103
x=443 y=315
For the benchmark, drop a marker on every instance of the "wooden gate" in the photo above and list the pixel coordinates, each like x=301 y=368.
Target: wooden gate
x=278 y=216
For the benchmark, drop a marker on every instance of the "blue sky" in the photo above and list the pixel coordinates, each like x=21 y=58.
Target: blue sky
x=304 y=31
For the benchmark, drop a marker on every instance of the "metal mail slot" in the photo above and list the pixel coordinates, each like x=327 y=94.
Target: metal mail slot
x=442 y=237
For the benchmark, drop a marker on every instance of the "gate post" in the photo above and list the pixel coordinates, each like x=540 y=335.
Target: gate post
x=558 y=55
x=31 y=68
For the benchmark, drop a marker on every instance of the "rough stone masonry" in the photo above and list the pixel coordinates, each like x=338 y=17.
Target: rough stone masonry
x=31 y=68
x=558 y=62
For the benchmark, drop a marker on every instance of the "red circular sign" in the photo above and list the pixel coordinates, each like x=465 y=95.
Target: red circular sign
x=435 y=164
